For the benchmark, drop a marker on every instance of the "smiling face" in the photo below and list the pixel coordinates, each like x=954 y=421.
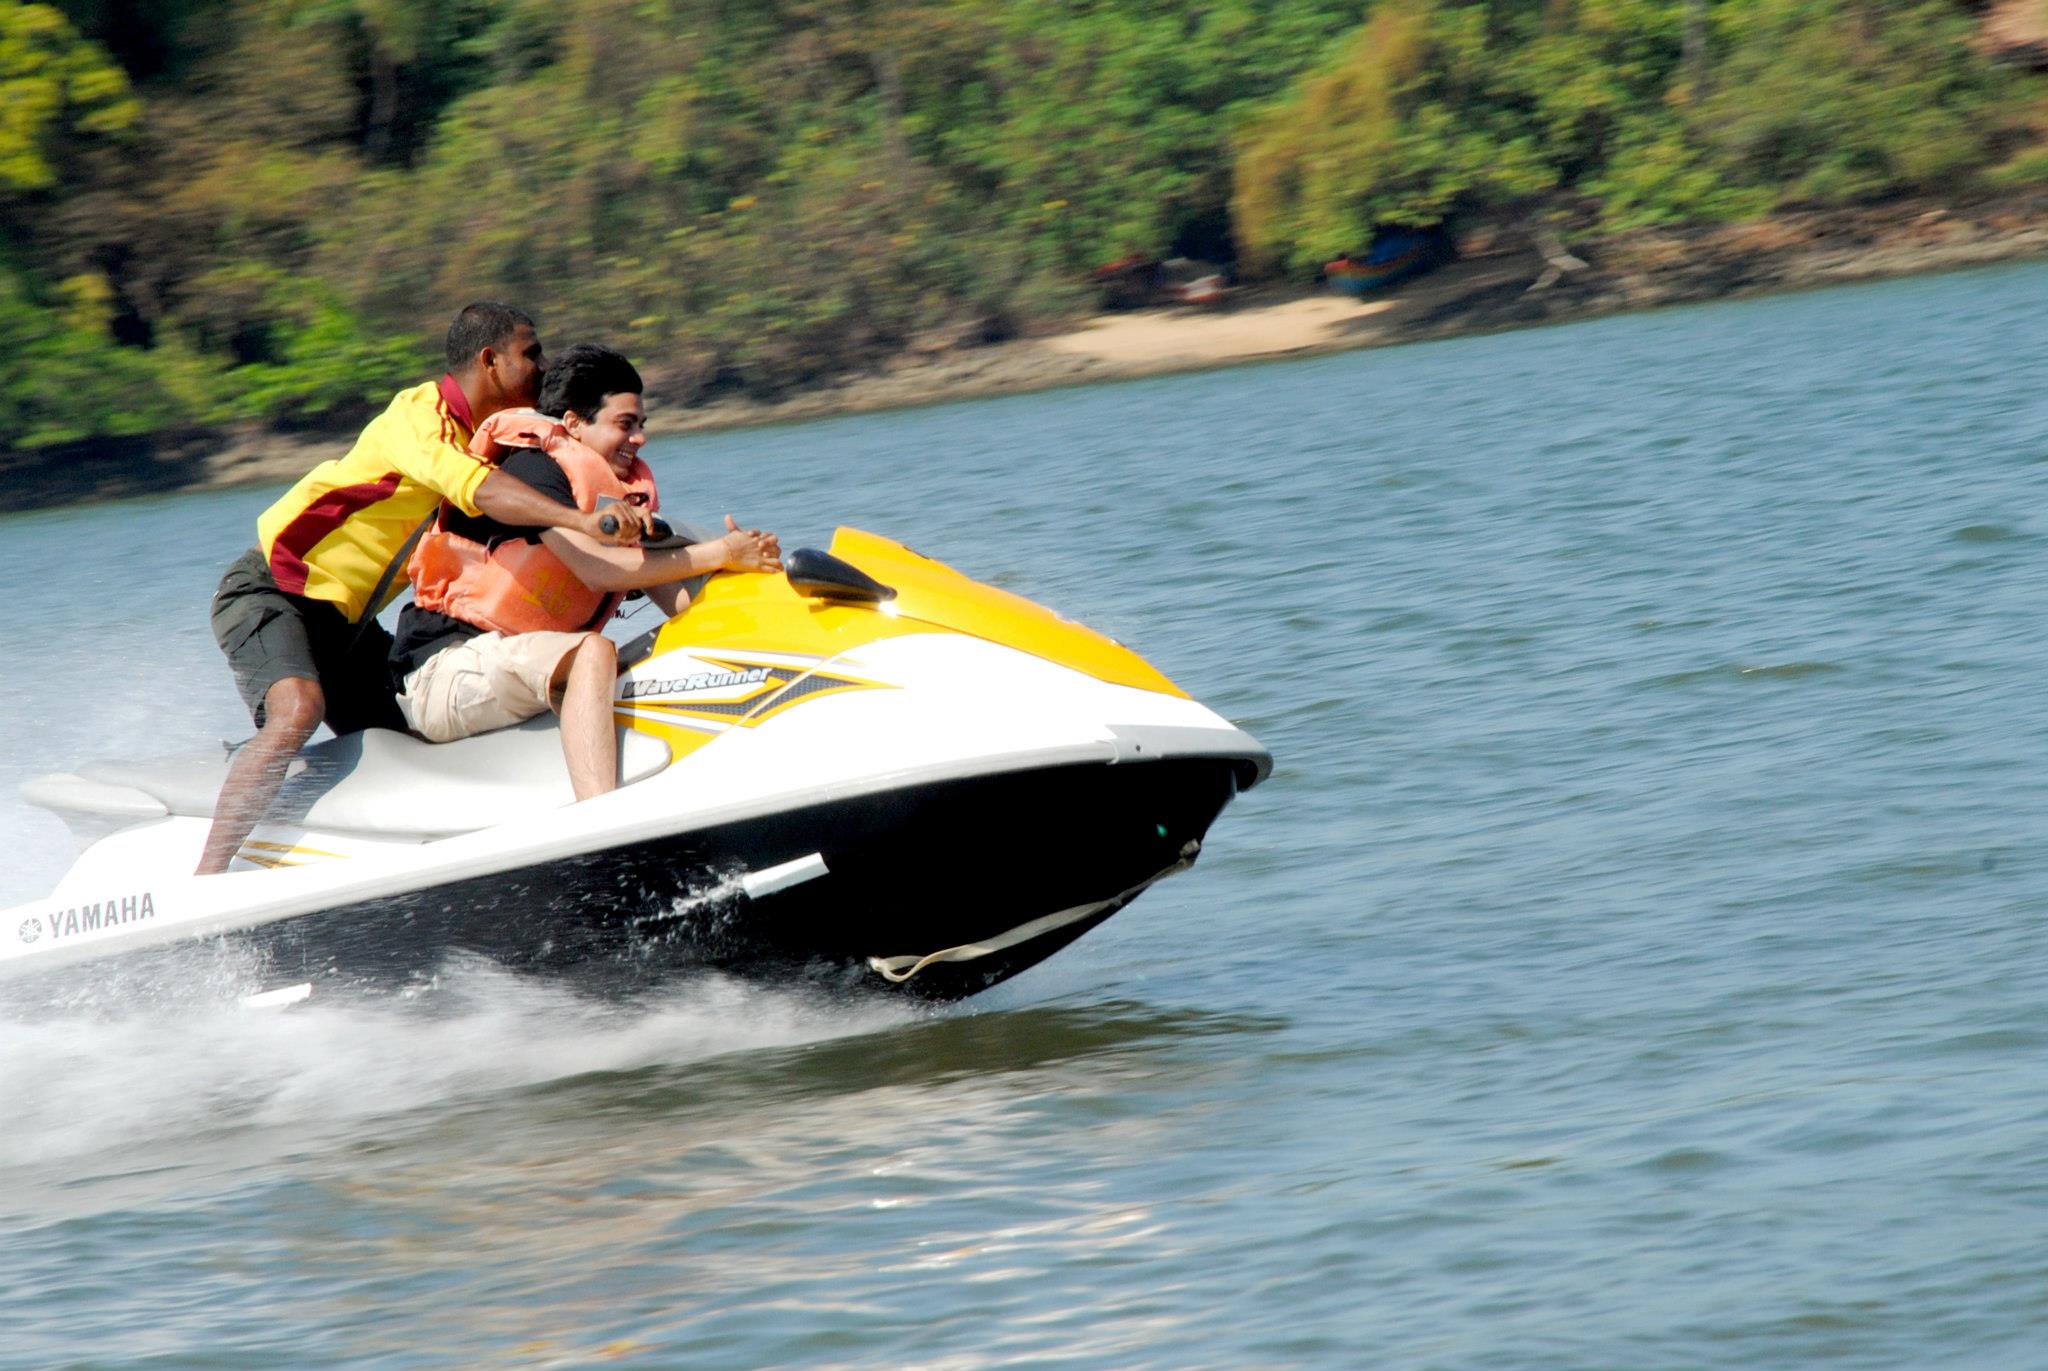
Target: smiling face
x=616 y=432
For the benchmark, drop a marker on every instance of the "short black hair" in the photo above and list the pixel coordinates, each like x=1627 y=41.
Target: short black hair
x=582 y=377
x=485 y=324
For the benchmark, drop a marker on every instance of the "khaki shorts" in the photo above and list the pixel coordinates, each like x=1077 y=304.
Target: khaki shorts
x=491 y=681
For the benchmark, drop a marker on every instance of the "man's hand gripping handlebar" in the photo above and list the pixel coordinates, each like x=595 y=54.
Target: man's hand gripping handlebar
x=657 y=530
x=622 y=525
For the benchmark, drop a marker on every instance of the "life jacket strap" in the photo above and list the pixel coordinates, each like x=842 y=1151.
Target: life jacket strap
x=376 y=600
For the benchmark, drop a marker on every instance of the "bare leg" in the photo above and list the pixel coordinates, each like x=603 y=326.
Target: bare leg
x=292 y=709
x=590 y=741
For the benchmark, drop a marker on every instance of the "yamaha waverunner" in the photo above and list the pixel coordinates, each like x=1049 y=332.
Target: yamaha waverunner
x=867 y=769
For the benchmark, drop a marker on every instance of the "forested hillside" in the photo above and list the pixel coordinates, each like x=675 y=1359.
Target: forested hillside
x=216 y=211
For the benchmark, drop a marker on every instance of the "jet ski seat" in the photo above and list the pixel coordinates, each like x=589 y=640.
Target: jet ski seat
x=103 y=796
x=376 y=781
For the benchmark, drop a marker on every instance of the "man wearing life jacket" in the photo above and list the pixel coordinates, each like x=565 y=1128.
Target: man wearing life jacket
x=507 y=616
x=294 y=615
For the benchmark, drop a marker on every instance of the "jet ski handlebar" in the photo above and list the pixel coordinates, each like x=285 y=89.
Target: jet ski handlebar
x=659 y=533
x=817 y=574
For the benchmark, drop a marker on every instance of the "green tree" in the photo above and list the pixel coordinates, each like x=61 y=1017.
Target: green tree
x=269 y=209
x=1412 y=121
x=1846 y=100
x=56 y=88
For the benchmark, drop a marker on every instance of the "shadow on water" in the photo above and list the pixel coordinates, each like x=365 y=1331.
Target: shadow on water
x=1988 y=533
x=1737 y=674
x=928 y=1052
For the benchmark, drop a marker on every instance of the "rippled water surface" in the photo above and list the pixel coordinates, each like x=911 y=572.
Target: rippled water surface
x=1636 y=959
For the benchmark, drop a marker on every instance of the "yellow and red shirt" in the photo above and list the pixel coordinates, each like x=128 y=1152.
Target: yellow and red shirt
x=331 y=535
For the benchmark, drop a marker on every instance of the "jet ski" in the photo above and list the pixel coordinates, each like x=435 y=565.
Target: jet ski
x=869 y=770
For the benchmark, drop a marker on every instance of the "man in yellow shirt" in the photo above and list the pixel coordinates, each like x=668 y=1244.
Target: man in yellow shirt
x=295 y=614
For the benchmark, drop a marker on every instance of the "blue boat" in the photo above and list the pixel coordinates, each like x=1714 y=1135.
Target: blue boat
x=1395 y=255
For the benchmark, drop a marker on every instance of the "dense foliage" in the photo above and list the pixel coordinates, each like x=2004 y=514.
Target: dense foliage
x=224 y=210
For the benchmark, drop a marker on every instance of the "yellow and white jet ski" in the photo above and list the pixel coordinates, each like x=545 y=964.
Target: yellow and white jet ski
x=867 y=769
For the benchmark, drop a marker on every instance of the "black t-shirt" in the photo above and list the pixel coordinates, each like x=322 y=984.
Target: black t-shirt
x=422 y=632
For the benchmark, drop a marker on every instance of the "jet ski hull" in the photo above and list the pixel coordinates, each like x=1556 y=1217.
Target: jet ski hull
x=906 y=872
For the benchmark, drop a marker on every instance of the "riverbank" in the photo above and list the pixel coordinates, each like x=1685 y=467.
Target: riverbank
x=1493 y=286
x=1497 y=284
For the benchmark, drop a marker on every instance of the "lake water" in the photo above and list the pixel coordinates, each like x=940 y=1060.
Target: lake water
x=1637 y=959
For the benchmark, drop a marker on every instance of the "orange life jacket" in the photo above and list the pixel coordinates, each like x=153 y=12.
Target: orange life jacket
x=515 y=586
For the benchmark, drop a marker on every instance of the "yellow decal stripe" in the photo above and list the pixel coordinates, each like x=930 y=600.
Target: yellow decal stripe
x=270 y=862
x=681 y=737
x=288 y=850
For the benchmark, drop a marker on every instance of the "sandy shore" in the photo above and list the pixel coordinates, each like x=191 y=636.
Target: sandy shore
x=1255 y=325
x=1492 y=288
x=1487 y=291
x=1165 y=338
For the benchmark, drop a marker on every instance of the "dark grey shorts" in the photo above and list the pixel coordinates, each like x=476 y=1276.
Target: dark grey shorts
x=271 y=636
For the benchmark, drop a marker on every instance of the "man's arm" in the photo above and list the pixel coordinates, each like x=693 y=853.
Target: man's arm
x=475 y=487
x=633 y=568
x=509 y=500
x=671 y=599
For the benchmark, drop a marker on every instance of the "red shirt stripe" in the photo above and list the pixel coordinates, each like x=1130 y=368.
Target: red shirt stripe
x=454 y=410
x=299 y=537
